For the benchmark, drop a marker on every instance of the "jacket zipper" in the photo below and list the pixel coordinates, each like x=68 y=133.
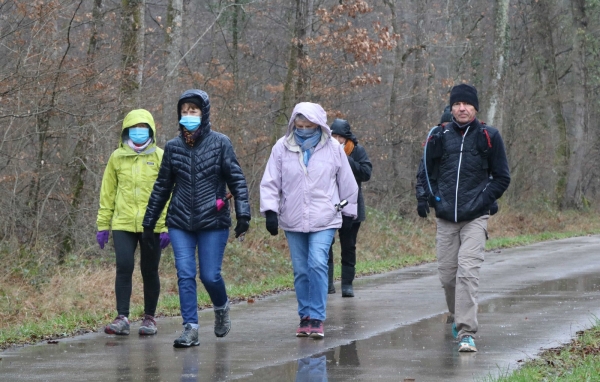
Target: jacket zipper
x=462 y=143
x=192 y=170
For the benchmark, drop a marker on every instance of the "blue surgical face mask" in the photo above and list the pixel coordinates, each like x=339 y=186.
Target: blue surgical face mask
x=190 y=122
x=139 y=135
x=306 y=133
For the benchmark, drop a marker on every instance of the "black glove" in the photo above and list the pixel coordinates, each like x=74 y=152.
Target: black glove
x=423 y=208
x=347 y=222
x=272 y=222
x=148 y=238
x=494 y=208
x=243 y=223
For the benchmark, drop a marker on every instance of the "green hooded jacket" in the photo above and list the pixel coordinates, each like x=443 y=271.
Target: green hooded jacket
x=128 y=181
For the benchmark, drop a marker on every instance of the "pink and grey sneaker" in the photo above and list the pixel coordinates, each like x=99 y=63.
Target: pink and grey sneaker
x=304 y=327
x=316 y=329
x=119 y=326
x=148 y=326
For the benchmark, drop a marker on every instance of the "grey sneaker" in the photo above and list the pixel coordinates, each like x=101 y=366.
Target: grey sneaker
x=188 y=338
x=222 y=321
x=148 y=326
x=119 y=326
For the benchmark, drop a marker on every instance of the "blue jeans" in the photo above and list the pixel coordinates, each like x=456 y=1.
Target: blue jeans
x=309 y=253
x=211 y=246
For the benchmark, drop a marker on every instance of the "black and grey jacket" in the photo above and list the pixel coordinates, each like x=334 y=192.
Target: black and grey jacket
x=467 y=168
x=359 y=162
x=195 y=177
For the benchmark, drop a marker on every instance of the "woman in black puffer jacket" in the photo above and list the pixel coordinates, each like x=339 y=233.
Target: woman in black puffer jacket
x=197 y=168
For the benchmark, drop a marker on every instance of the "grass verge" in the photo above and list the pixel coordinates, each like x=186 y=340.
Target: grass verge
x=577 y=361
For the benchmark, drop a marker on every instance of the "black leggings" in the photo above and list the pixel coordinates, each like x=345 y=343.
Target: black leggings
x=348 y=244
x=125 y=244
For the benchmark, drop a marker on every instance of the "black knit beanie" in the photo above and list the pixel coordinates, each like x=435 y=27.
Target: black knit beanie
x=464 y=93
x=446 y=115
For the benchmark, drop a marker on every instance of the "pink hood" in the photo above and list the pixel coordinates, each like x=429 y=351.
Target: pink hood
x=304 y=197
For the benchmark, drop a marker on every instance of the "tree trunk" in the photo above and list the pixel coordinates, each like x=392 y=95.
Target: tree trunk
x=499 y=61
x=548 y=81
x=78 y=163
x=173 y=39
x=397 y=74
x=132 y=51
x=573 y=196
x=303 y=8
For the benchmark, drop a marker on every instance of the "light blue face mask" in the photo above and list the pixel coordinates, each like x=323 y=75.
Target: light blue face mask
x=190 y=122
x=306 y=133
x=139 y=135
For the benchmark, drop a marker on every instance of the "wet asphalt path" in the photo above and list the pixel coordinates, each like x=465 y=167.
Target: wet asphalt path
x=530 y=298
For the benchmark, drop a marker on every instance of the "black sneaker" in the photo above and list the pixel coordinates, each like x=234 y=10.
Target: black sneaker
x=188 y=338
x=222 y=321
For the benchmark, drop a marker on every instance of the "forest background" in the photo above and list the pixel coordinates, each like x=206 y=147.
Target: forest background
x=71 y=69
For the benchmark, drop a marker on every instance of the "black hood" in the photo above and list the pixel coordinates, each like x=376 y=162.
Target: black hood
x=341 y=127
x=199 y=98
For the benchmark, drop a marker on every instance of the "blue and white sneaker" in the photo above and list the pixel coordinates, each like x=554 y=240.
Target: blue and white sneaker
x=454 y=330
x=467 y=344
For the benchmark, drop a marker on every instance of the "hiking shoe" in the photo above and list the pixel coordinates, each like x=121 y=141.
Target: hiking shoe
x=467 y=344
x=316 y=329
x=119 y=326
x=304 y=327
x=148 y=326
x=330 y=289
x=454 y=330
x=188 y=338
x=347 y=290
x=222 y=321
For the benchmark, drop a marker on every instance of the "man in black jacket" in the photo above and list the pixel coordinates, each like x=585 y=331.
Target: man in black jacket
x=463 y=173
x=361 y=167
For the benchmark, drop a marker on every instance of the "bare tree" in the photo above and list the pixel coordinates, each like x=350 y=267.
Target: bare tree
x=498 y=63
x=573 y=196
x=173 y=39
x=132 y=50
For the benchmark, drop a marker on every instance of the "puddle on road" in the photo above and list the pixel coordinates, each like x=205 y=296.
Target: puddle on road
x=426 y=350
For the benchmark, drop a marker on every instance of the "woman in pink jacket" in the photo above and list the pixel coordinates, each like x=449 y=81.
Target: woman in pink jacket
x=306 y=177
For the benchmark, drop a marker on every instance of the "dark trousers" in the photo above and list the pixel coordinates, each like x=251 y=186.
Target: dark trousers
x=125 y=244
x=348 y=244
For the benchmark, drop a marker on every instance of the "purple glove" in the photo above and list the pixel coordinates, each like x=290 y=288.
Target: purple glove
x=102 y=238
x=164 y=240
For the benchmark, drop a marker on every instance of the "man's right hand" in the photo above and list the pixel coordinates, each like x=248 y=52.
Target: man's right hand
x=423 y=208
x=272 y=222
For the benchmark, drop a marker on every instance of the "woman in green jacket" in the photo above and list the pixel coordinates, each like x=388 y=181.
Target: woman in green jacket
x=126 y=186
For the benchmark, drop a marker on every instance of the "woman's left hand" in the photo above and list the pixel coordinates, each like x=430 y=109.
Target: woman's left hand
x=242 y=226
x=165 y=240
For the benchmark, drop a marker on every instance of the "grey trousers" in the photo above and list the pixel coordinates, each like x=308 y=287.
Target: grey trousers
x=460 y=251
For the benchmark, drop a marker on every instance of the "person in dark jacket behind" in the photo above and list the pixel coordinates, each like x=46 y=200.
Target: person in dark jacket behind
x=463 y=173
x=198 y=166
x=361 y=168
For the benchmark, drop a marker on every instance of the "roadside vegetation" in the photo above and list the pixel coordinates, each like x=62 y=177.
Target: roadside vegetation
x=578 y=361
x=41 y=300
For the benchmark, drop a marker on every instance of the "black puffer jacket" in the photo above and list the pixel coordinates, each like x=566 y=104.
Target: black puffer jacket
x=468 y=171
x=195 y=177
x=359 y=162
